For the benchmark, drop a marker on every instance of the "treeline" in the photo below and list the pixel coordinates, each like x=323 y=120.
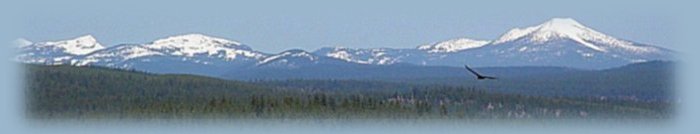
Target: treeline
x=85 y=92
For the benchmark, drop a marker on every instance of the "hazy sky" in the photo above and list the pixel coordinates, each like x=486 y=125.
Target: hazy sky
x=272 y=27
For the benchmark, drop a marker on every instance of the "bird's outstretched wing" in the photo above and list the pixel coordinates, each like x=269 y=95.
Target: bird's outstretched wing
x=478 y=76
x=473 y=72
x=489 y=77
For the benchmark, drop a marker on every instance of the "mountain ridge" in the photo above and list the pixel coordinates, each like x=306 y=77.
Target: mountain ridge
x=560 y=42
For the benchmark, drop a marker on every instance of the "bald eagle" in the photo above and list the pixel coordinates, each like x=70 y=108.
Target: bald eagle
x=478 y=76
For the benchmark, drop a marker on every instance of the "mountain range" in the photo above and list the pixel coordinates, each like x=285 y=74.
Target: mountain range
x=559 y=42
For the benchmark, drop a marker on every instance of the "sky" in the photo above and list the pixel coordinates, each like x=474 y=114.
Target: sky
x=274 y=26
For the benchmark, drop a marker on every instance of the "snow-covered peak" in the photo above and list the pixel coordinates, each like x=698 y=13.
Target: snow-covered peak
x=453 y=45
x=190 y=45
x=86 y=38
x=77 y=46
x=567 y=28
x=562 y=24
x=192 y=40
x=559 y=27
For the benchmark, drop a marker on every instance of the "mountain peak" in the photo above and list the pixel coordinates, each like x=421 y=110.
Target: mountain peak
x=556 y=27
x=453 y=45
x=193 y=48
x=562 y=23
x=193 y=44
x=194 y=39
x=76 y=46
x=567 y=28
x=86 y=38
x=562 y=27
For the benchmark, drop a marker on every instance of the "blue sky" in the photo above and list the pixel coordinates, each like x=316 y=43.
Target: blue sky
x=273 y=26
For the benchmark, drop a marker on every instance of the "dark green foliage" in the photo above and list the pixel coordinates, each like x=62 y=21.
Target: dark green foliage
x=86 y=92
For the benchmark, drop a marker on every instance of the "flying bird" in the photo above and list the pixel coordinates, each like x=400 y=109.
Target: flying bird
x=478 y=76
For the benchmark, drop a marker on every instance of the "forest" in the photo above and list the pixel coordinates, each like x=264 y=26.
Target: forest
x=68 y=92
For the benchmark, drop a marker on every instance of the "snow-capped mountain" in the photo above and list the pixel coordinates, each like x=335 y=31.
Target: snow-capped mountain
x=191 y=45
x=563 y=42
x=191 y=48
x=56 y=52
x=453 y=45
x=190 y=53
x=557 y=42
x=568 y=29
x=560 y=42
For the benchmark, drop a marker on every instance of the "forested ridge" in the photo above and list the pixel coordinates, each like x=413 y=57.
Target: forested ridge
x=92 y=92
